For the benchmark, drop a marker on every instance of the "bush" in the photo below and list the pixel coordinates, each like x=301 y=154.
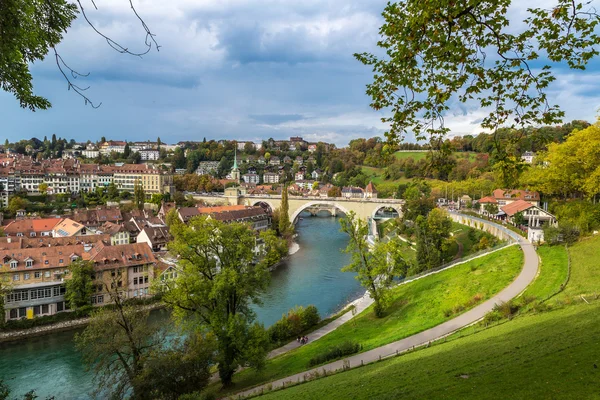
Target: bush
x=292 y=324
x=507 y=309
x=336 y=352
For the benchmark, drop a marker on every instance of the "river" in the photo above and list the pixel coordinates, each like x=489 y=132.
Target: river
x=50 y=365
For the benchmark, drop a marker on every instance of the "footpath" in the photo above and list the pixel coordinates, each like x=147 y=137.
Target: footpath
x=527 y=275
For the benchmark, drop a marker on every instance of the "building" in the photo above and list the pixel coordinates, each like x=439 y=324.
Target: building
x=274 y=160
x=484 y=205
x=299 y=176
x=312 y=147
x=112 y=146
x=118 y=233
x=270 y=177
x=316 y=174
x=507 y=196
x=235 y=171
x=37 y=279
x=251 y=178
x=68 y=227
x=127 y=269
x=207 y=168
x=33 y=227
x=528 y=157
x=149 y=155
x=96 y=217
x=533 y=216
x=257 y=217
x=351 y=192
x=71 y=176
x=157 y=237
x=370 y=191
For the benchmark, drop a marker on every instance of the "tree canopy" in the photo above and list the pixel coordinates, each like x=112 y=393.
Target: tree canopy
x=441 y=52
x=218 y=281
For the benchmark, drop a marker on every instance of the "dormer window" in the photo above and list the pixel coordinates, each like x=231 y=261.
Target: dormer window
x=13 y=264
x=29 y=263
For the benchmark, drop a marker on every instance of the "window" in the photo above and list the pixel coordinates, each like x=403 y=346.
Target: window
x=45 y=308
x=29 y=263
x=37 y=274
x=135 y=281
x=13 y=264
x=32 y=234
x=146 y=279
x=47 y=274
x=60 y=306
x=46 y=262
x=15 y=277
x=60 y=261
x=26 y=276
x=14 y=313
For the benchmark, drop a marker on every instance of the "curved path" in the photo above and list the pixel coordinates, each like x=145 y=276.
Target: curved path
x=527 y=275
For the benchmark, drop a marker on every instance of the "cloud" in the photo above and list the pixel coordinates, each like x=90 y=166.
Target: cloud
x=276 y=119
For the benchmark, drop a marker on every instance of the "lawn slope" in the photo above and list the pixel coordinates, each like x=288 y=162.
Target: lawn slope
x=550 y=355
x=416 y=306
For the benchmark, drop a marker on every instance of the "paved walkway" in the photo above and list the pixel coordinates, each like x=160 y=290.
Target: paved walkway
x=527 y=275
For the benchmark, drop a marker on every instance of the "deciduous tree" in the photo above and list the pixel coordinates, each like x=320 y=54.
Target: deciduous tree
x=441 y=52
x=80 y=285
x=216 y=286
x=374 y=267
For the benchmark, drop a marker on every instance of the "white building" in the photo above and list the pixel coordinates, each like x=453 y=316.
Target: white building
x=251 y=178
x=528 y=157
x=269 y=177
x=108 y=147
x=149 y=155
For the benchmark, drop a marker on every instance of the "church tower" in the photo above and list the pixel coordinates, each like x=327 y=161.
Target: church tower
x=235 y=172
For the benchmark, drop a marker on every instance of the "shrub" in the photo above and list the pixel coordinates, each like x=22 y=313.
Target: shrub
x=341 y=350
x=507 y=309
x=292 y=324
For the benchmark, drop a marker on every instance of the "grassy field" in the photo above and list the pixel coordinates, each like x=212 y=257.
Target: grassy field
x=552 y=273
x=585 y=270
x=550 y=355
x=416 y=306
x=553 y=354
x=376 y=176
x=415 y=155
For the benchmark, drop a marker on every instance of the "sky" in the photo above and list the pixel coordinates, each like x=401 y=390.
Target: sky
x=234 y=69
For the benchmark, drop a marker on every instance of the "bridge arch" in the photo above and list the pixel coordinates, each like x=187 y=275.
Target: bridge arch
x=395 y=207
x=313 y=203
x=265 y=204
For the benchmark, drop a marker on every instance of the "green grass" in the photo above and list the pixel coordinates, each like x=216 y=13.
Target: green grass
x=416 y=306
x=415 y=155
x=376 y=176
x=552 y=355
x=552 y=273
x=585 y=269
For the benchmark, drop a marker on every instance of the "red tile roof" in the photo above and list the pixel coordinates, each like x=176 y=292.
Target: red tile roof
x=488 y=199
x=516 y=207
x=26 y=226
x=515 y=194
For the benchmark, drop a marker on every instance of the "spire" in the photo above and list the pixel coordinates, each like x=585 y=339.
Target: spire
x=235 y=157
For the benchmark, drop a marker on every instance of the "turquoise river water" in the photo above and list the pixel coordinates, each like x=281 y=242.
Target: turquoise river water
x=50 y=365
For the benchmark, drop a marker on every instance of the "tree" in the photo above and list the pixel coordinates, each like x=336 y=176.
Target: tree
x=139 y=196
x=435 y=54
x=275 y=247
x=418 y=200
x=334 y=192
x=285 y=228
x=126 y=151
x=569 y=169
x=30 y=28
x=432 y=232
x=179 y=369
x=43 y=188
x=112 y=192
x=217 y=284
x=80 y=286
x=491 y=208
x=518 y=219
x=374 y=268
x=157 y=199
x=15 y=204
x=116 y=345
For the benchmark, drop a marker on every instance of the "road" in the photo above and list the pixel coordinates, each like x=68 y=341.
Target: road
x=527 y=275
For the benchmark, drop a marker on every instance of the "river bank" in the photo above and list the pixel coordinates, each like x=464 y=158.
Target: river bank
x=15 y=335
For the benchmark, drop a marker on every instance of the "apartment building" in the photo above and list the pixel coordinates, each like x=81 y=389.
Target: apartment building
x=37 y=272
x=71 y=176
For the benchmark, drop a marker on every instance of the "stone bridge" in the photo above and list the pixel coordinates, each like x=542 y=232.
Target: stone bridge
x=364 y=208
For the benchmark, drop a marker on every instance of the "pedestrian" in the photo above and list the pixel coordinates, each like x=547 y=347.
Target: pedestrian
x=298 y=339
